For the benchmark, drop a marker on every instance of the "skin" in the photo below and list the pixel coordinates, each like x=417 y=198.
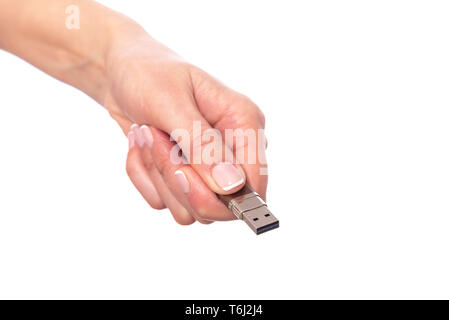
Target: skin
x=139 y=81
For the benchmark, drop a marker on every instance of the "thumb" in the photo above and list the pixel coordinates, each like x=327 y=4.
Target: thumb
x=204 y=148
x=240 y=121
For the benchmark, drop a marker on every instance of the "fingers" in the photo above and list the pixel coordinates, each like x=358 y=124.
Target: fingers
x=145 y=179
x=217 y=165
x=178 y=211
x=182 y=180
x=239 y=120
x=138 y=174
x=203 y=146
x=148 y=181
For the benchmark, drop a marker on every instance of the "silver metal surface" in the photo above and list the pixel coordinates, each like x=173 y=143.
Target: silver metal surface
x=248 y=206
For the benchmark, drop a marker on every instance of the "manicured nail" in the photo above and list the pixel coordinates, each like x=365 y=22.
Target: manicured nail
x=131 y=139
x=227 y=176
x=139 y=138
x=147 y=135
x=182 y=180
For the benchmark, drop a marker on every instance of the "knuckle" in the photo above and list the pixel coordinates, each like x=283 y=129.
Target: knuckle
x=201 y=210
x=184 y=221
x=249 y=110
x=157 y=205
x=182 y=217
x=202 y=213
x=261 y=117
x=256 y=113
x=131 y=169
x=205 y=222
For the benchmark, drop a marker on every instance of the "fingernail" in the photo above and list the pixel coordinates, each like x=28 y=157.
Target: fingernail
x=139 y=138
x=131 y=139
x=182 y=180
x=147 y=135
x=227 y=176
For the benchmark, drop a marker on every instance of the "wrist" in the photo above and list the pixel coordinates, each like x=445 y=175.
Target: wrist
x=107 y=31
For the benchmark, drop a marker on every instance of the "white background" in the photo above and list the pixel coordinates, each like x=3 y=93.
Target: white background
x=357 y=106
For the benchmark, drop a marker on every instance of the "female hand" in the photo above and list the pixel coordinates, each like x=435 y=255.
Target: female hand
x=152 y=93
x=140 y=81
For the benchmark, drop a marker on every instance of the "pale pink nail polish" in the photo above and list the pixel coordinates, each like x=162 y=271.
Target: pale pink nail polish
x=139 y=138
x=131 y=139
x=147 y=135
x=182 y=180
x=227 y=176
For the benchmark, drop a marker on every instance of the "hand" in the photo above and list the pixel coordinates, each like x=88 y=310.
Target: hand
x=113 y=60
x=152 y=86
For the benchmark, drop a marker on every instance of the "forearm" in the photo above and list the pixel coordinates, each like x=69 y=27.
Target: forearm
x=36 y=31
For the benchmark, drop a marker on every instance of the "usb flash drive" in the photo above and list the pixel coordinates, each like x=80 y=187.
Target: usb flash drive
x=248 y=206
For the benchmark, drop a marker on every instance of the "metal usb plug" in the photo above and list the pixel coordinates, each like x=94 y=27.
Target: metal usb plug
x=247 y=205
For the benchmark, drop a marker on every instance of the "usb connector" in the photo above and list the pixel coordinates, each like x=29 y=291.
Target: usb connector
x=248 y=206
